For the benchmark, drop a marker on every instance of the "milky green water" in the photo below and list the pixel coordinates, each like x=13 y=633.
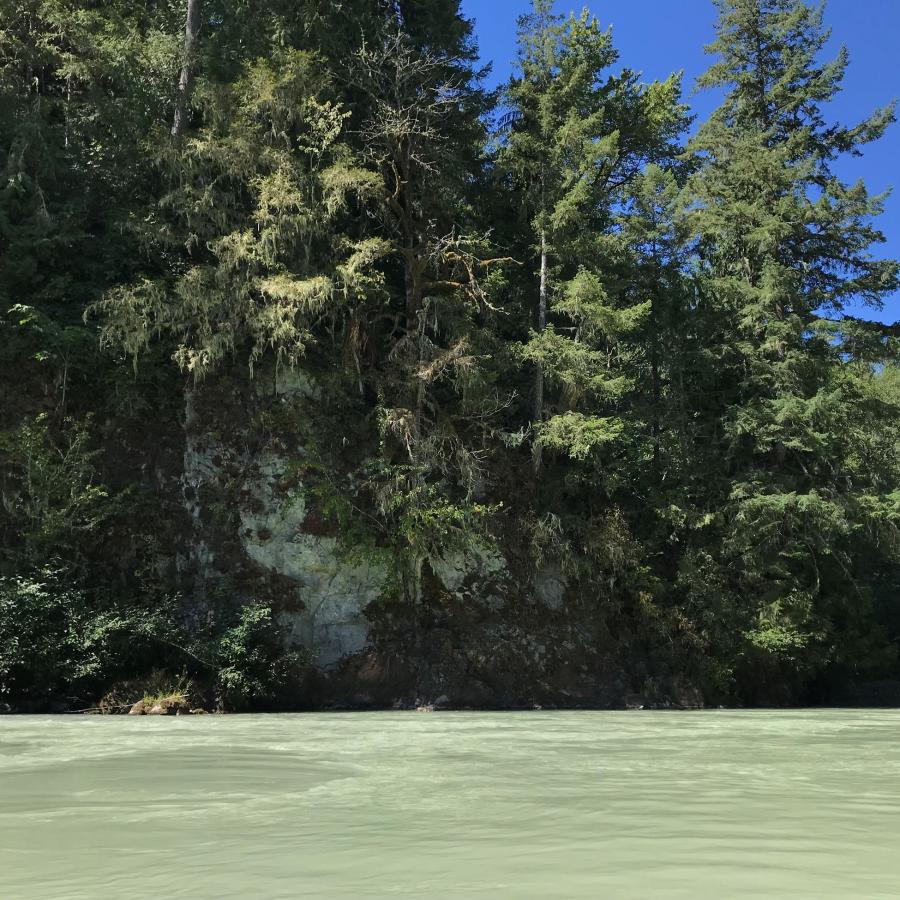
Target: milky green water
x=538 y=804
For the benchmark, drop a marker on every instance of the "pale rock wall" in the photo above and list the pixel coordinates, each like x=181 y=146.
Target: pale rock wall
x=334 y=591
x=339 y=597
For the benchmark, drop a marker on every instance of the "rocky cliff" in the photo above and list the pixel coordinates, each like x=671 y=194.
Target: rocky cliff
x=488 y=629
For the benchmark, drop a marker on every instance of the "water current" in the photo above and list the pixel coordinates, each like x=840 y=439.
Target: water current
x=714 y=804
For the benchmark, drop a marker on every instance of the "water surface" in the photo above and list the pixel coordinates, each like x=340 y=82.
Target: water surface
x=537 y=804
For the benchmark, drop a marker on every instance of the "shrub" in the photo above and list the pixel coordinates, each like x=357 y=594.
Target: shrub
x=253 y=667
x=56 y=645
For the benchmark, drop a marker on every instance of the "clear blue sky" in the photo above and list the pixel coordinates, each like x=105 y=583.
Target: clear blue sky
x=658 y=37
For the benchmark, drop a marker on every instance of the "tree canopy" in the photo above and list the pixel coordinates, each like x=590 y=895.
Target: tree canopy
x=560 y=323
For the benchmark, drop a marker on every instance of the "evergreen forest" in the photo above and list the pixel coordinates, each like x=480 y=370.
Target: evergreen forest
x=546 y=394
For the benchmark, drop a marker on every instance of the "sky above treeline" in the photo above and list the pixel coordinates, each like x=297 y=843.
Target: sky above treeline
x=658 y=37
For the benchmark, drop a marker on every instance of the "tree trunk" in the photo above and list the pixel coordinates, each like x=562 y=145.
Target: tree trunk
x=656 y=386
x=186 y=81
x=191 y=484
x=191 y=479
x=539 y=370
x=420 y=388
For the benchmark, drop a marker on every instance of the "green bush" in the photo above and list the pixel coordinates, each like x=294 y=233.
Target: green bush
x=56 y=645
x=253 y=668
x=54 y=506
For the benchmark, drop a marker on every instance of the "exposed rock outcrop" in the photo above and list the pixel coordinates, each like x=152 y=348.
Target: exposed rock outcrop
x=333 y=590
x=487 y=628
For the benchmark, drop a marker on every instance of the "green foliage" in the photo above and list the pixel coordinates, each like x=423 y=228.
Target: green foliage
x=420 y=516
x=252 y=668
x=577 y=434
x=165 y=689
x=577 y=141
x=57 y=642
x=572 y=340
x=780 y=241
x=252 y=194
x=53 y=503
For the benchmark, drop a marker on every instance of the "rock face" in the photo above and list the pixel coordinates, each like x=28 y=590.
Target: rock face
x=456 y=570
x=550 y=587
x=321 y=592
x=484 y=631
x=334 y=591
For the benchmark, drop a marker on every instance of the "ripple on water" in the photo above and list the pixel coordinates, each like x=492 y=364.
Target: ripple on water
x=580 y=804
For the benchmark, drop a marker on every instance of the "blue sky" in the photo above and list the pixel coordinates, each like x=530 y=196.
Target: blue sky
x=658 y=37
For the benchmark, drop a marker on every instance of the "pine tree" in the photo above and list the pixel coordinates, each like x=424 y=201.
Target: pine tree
x=784 y=247
x=625 y=365
x=421 y=140
x=578 y=137
x=417 y=107
x=79 y=89
x=654 y=231
x=242 y=239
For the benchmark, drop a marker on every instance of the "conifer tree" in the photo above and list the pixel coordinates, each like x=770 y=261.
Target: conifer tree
x=79 y=89
x=420 y=139
x=635 y=371
x=242 y=237
x=417 y=106
x=578 y=137
x=658 y=250
x=784 y=246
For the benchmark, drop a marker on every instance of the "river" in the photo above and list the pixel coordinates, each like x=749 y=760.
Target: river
x=502 y=805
